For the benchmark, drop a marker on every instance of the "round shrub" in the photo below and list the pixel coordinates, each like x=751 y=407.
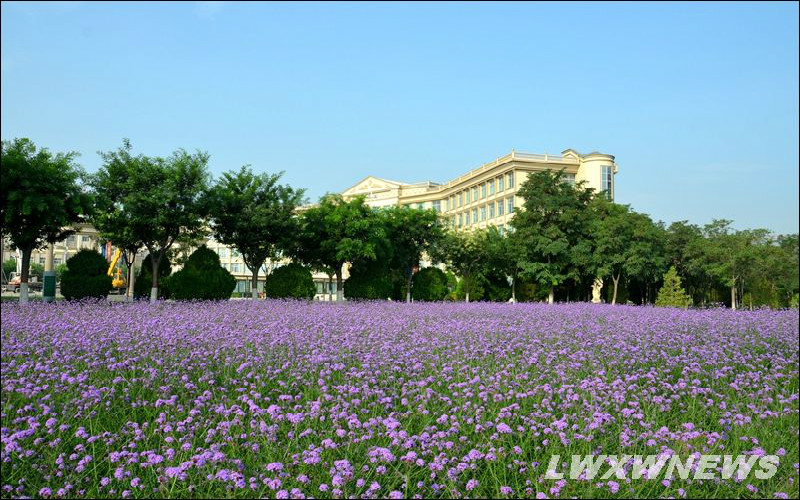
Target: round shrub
x=430 y=285
x=369 y=281
x=86 y=276
x=144 y=280
x=202 y=278
x=292 y=281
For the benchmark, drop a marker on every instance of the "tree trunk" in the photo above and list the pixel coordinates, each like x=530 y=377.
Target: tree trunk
x=25 y=271
x=330 y=288
x=550 y=296
x=616 y=283
x=513 y=290
x=408 y=286
x=733 y=297
x=129 y=290
x=154 y=290
x=339 y=290
x=254 y=285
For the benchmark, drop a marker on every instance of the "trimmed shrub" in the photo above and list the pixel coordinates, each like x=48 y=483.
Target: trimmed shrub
x=496 y=288
x=430 y=285
x=202 y=278
x=86 y=276
x=672 y=294
x=292 y=281
x=370 y=281
x=144 y=280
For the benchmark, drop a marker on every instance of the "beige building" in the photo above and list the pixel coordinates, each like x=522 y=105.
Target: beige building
x=487 y=195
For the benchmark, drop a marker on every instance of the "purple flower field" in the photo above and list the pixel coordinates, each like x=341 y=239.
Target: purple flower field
x=272 y=399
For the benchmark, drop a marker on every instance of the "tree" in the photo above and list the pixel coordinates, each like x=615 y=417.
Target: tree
x=671 y=293
x=554 y=229
x=164 y=201
x=334 y=232
x=728 y=254
x=42 y=199
x=464 y=253
x=255 y=214
x=112 y=217
x=9 y=266
x=503 y=255
x=145 y=278
x=410 y=233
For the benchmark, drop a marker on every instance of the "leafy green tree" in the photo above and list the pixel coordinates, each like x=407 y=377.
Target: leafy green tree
x=165 y=201
x=672 y=293
x=430 y=285
x=645 y=259
x=112 y=217
x=336 y=231
x=465 y=254
x=202 y=278
x=292 y=281
x=729 y=254
x=612 y=233
x=554 y=228
x=86 y=276
x=411 y=233
x=42 y=199
x=503 y=255
x=254 y=214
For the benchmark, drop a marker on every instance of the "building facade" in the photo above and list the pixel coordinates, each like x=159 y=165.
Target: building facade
x=487 y=195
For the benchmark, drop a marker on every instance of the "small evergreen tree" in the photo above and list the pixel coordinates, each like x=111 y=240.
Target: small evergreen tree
x=202 y=278
x=86 y=276
x=292 y=281
x=369 y=281
x=672 y=293
x=430 y=285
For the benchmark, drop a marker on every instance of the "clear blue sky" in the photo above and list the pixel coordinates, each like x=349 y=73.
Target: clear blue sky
x=699 y=102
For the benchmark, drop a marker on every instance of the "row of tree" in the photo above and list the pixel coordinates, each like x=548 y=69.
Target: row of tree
x=562 y=242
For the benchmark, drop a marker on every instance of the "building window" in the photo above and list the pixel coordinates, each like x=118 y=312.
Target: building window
x=491 y=210
x=475 y=193
x=483 y=212
x=491 y=187
x=510 y=180
x=469 y=197
x=500 y=207
x=607 y=181
x=460 y=199
x=511 y=205
x=85 y=239
x=71 y=241
x=56 y=261
x=500 y=183
x=460 y=220
x=569 y=179
x=234 y=253
x=483 y=190
x=41 y=260
x=223 y=252
x=474 y=215
x=437 y=205
x=236 y=267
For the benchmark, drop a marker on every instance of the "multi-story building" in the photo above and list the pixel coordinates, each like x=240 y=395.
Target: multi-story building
x=487 y=195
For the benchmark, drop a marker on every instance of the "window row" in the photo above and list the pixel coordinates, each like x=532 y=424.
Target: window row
x=479 y=192
x=485 y=212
